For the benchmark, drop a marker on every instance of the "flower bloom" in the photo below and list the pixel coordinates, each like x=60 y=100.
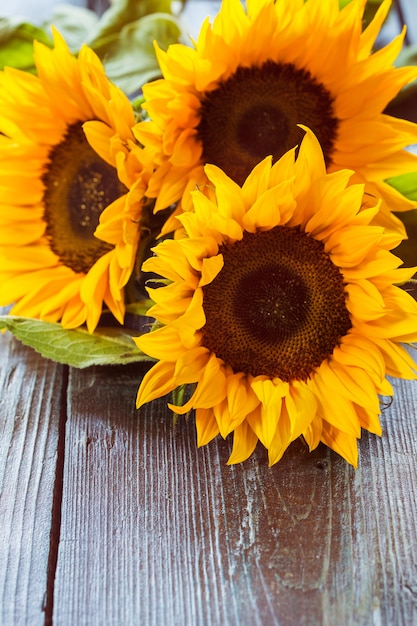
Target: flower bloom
x=253 y=77
x=281 y=309
x=71 y=194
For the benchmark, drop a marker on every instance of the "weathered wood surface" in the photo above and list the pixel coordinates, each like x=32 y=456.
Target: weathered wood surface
x=110 y=517
x=31 y=392
x=155 y=531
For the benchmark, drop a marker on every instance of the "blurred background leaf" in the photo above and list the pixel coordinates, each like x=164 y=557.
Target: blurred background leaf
x=129 y=54
x=407 y=250
x=16 y=43
x=74 y=23
x=406 y=184
x=122 y=37
x=123 y=12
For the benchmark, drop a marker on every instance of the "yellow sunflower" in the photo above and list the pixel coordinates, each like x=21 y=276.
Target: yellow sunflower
x=251 y=78
x=70 y=191
x=281 y=309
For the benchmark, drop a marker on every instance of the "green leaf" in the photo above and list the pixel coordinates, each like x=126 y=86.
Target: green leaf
x=405 y=184
x=74 y=23
x=129 y=56
x=124 y=12
x=123 y=38
x=77 y=348
x=16 y=43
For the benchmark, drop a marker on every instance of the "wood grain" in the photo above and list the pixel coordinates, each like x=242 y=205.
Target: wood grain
x=30 y=399
x=144 y=529
x=155 y=531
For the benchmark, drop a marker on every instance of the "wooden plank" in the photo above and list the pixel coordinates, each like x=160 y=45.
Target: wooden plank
x=30 y=398
x=155 y=531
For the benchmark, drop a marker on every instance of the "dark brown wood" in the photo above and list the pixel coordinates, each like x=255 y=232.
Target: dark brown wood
x=30 y=406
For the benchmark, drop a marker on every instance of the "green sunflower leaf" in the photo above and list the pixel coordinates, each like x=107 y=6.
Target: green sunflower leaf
x=129 y=55
x=16 y=43
x=77 y=348
x=123 y=12
x=122 y=37
x=74 y=23
x=407 y=250
x=405 y=184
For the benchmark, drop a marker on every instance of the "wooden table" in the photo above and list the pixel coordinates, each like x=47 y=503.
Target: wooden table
x=109 y=516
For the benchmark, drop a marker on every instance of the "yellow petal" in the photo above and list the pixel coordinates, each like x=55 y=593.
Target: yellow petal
x=211 y=267
x=343 y=443
x=336 y=409
x=281 y=439
x=156 y=383
x=244 y=443
x=162 y=344
x=206 y=425
x=270 y=395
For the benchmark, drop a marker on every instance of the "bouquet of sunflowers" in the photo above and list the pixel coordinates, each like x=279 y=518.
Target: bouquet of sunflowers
x=230 y=209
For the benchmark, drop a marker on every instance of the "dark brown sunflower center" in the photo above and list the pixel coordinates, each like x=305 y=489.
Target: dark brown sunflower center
x=79 y=185
x=255 y=112
x=277 y=307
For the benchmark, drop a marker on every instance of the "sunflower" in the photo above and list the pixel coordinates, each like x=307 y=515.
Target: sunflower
x=280 y=309
x=252 y=78
x=71 y=194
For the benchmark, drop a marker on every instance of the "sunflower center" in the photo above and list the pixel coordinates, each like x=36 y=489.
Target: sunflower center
x=79 y=185
x=277 y=307
x=255 y=112
x=275 y=296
